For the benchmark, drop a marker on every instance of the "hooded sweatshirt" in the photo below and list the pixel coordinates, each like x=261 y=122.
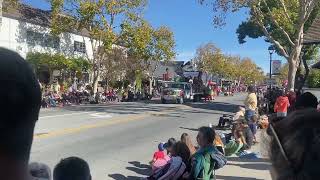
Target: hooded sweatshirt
x=281 y=104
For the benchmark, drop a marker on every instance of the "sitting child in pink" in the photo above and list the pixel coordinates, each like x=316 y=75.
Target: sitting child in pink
x=160 y=158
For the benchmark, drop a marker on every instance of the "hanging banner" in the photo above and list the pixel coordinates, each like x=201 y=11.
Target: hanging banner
x=276 y=67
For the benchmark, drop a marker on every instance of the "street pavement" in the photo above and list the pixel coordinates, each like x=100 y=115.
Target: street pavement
x=118 y=140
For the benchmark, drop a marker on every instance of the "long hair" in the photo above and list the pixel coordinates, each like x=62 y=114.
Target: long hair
x=188 y=141
x=181 y=149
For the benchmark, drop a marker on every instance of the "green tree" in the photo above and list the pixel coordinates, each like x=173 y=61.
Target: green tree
x=57 y=62
x=101 y=19
x=148 y=46
x=211 y=59
x=282 y=22
x=313 y=79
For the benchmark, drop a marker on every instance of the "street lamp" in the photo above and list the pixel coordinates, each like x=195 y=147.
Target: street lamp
x=271 y=51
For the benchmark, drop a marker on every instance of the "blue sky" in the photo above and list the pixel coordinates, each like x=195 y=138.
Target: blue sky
x=192 y=26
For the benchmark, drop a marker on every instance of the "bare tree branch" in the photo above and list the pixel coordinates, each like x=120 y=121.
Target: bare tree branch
x=268 y=35
x=277 y=24
x=285 y=10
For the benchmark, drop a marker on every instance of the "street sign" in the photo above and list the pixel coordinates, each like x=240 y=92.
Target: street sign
x=276 y=67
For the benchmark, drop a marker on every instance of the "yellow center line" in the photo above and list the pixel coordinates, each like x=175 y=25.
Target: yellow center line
x=109 y=122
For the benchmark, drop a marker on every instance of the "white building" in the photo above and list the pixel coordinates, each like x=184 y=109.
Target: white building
x=27 y=29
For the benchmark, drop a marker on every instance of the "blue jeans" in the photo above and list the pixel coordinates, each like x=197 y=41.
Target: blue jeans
x=248 y=115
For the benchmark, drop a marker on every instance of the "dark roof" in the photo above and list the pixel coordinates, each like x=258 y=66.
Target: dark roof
x=35 y=16
x=312 y=36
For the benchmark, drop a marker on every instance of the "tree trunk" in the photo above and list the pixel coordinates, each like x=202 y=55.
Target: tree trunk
x=292 y=74
x=96 y=77
x=150 y=85
x=307 y=71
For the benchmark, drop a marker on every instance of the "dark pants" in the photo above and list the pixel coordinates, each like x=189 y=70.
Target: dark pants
x=249 y=114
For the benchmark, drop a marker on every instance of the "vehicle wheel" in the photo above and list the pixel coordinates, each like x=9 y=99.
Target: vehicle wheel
x=163 y=101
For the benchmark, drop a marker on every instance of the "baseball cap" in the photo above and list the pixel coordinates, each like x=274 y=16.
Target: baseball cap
x=161 y=147
x=170 y=143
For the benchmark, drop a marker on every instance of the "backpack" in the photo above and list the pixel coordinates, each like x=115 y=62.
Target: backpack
x=208 y=162
x=171 y=171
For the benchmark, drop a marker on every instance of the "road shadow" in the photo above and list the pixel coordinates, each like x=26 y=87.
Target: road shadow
x=237 y=159
x=215 y=106
x=122 y=177
x=254 y=166
x=235 y=178
x=190 y=129
x=135 y=166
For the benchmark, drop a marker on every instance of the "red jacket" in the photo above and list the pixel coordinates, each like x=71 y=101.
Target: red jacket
x=281 y=104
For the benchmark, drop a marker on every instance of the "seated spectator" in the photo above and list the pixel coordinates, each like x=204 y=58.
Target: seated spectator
x=254 y=126
x=160 y=159
x=72 y=168
x=185 y=138
x=281 y=106
x=240 y=113
x=19 y=108
x=306 y=100
x=39 y=171
x=294 y=146
x=245 y=132
x=207 y=158
x=219 y=143
x=177 y=166
x=169 y=145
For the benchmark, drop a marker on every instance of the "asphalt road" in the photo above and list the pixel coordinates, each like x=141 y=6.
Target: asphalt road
x=118 y=140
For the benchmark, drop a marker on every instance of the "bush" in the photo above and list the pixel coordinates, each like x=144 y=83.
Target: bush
x=313 y=80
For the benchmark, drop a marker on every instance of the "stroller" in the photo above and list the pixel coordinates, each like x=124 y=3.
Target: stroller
x=225 y=122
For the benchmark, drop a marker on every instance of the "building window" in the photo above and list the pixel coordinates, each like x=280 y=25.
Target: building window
x=79 y=46
x=44 y=40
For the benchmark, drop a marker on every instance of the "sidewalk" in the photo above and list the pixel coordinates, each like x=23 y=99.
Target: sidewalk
x=243 y=169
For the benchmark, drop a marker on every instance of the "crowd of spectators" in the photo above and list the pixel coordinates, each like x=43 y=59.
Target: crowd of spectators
x=294 y=147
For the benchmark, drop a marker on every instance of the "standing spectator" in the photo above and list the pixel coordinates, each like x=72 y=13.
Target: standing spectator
x=253 y=127
x=56 y=86
x=207 y=158
x=19 y=108
x=185 y=138
x=72 y=168
x=281 y=106
x=251 y=103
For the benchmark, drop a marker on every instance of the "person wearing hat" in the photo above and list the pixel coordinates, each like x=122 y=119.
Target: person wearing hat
x=160 y=159
x=19 y=108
